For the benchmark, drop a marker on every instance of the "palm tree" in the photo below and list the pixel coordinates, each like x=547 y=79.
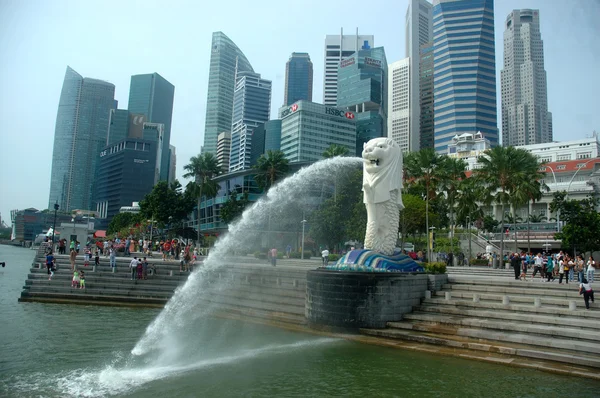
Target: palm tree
x=423 y=169
x=452 y=173
x=535 y=218
x=202 y=168
x=502 y=170
x=269 y=168
x=335 y=150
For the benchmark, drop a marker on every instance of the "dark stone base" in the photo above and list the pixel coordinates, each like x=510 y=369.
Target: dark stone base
x=351 y=300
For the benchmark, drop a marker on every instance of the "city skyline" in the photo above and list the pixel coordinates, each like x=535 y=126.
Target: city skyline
x=567 y=32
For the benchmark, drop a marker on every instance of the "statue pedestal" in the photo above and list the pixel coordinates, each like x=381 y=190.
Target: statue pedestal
x=351 y=300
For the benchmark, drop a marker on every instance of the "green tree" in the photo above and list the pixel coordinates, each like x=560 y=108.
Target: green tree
x=582 y=222
x=469 y=196
x=335 y=150
x=501 y=171
x=327 y=223
x=452 y=173
x=412 y=217
x=490 y=224
x=234 y=207
x=423 y=169
x=123 y=220
x=167 y=203
x=270 y=168
x=202 y=168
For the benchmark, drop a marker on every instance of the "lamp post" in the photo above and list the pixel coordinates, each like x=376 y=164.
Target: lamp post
x=580 y=166
x=56 y=206
x=557 y=211
x=303 y=222
x=430 y=244
x=469 y=226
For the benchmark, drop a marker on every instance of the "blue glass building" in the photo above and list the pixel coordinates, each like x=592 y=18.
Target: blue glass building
x=81 y=128
x=152 y=95
x=464 y=70
x=362 y=89
x=251 y=108
x=298 y=78
x=225 y=55
x=266 y=137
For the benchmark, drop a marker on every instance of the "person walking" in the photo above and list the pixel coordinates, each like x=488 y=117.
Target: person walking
x=591 y=268
x=133 y=265
x=273 y=253
x=50 y=264
x=571 y=265
x=538 y=261
x=325 y=256
x=585 y=288
x=127 y=251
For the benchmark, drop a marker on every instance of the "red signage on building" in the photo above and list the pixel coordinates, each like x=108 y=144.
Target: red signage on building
x=349 y=115
x=294 y=107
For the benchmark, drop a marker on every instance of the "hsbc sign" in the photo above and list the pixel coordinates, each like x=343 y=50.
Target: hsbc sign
x=340 y=113
x=289 y=110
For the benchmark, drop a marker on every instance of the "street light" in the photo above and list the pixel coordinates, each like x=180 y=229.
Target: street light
x=579 y=167
x=303 y=222
x=54 y=225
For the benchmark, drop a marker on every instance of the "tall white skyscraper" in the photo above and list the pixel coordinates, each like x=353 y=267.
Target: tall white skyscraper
x=338 y=47
x=399 y=121
x=525 y=116
x=419 y=31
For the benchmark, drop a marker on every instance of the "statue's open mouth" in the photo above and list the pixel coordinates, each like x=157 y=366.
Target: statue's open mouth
x=376 y=161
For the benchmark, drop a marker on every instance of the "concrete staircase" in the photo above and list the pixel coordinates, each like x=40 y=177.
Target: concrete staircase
x=247 y=288
x=489 y=311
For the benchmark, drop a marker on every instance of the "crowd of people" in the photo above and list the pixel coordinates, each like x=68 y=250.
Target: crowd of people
x=561 y=266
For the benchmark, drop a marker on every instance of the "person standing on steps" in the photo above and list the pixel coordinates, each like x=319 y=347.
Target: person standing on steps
x=72 y=258
x=515 y=262
x=579 y=267
x=550 y=269
x=133 y=265
x=585 y=288
x=127 y=243
x=273 y=253
x=538 y=261
x=591 y=268
x=50 y=265
x=113 y=257
x=563 y=269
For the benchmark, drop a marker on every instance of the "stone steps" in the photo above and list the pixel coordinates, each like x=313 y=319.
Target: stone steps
x=589 y=324
x=510 y=349
x=529 y=289
x=539 y=330
x=593 y=313
x=82 y=297
x=514 y=298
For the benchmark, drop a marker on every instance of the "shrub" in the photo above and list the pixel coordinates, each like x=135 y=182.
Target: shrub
x=294 y=254
x=260 y=256
x=479 y=261
x=334 y=257
x=435 y=268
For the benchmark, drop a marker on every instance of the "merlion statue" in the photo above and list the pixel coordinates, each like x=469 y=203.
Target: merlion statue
x=382 y=182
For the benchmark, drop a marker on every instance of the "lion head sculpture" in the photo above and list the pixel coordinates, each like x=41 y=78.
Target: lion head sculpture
x=382 y=170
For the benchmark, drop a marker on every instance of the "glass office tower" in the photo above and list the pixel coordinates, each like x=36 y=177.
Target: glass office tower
x=80 y=133
x=221 y=83
x=152 y=95
x=298 y=78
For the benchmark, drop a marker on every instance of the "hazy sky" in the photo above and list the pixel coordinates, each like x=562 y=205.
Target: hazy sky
x=112 y=40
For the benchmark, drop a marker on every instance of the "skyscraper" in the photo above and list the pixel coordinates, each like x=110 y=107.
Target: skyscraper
x=337 y=48
x=152 y=95
x=298 y=78
x=251 y=108
x=225 y=55
x=80 y=133
x=419 y=31
x=223 y=151
x=525 y=116
x=426 y=96
x=398 y=103
x=362 y=89
x=464 y=70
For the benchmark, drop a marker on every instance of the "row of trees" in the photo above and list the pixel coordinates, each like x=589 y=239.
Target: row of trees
x=437 y=193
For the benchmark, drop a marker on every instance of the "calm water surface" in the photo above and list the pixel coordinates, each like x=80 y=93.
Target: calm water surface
x=49 y=350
